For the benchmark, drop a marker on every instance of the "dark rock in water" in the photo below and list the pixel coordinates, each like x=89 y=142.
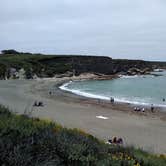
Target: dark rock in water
x=156 y=75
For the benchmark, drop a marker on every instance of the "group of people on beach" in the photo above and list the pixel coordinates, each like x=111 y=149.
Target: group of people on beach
x=38 y=104
x=138 y=109
x=116 y=141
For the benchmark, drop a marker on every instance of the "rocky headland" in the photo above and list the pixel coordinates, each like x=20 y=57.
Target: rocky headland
x=15 y=65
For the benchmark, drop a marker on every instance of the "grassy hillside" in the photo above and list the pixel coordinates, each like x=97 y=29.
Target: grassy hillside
x=32 y=63
x=28 y=141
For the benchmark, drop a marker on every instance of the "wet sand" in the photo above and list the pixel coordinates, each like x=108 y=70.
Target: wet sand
x=103 y=120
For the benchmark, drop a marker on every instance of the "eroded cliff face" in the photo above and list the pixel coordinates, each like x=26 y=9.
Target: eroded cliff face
x=103 y=65
x=107 y=65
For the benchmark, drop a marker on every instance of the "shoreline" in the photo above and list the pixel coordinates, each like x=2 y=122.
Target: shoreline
x=122 y=106
x=90 y=96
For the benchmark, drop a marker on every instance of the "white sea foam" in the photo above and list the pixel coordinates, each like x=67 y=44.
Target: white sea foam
x=127 y=76
x=64 y=86
x=134 y=76
x=81 y=93
x=158 y=70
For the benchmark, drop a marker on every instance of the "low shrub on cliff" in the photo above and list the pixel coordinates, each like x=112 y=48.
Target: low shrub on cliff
x=32 y=64
x=28 y=141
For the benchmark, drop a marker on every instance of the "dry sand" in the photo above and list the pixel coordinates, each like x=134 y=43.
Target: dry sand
x=147 y=130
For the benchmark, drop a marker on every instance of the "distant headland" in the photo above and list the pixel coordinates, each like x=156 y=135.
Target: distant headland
x=15 y=65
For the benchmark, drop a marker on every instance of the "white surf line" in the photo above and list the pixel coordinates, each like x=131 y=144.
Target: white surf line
x=102 y=117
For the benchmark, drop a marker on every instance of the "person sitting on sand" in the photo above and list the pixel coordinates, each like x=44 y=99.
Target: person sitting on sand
x=40 y=104
x=110 y=141
x=137 y=109
x=35 y=103
x=143 y=109
x=114 y=140
x=120 y=141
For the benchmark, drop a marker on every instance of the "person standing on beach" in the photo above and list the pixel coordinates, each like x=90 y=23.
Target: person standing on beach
x=152 y=107
x=112 y=100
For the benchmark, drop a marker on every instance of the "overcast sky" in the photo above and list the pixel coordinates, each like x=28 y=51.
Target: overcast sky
x=133 y=29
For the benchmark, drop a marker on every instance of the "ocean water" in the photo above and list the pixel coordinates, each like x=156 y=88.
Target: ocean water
x=143 y=90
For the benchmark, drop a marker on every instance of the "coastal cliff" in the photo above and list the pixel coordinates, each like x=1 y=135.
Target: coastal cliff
x=103 y=65
x=26 y=65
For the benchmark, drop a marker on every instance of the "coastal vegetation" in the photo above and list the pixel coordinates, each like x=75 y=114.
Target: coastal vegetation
x=14 y=64
x=31 y=63
x=25 y=140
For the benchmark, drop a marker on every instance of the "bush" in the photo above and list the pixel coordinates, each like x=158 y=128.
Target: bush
x=9 y=51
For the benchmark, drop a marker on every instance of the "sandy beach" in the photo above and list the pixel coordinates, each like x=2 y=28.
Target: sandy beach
x=103 y=120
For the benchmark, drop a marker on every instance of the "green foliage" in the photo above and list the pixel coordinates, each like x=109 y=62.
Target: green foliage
x=33 y=64
x=30 y=141
x=2 y=71
x=28 y=73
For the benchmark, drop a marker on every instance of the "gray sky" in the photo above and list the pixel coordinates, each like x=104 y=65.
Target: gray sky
x=133 y=29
